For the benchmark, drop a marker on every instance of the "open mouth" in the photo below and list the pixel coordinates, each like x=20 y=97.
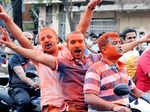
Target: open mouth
x=77 y=50
x=47 y=45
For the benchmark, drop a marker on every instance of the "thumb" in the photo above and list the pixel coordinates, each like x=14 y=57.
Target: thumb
x=2 y=42
x=5 y=35
x=1 y=8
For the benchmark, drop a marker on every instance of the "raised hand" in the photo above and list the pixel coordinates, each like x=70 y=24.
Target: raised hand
x=5 y=39
x=3 y=15
x=94 y=3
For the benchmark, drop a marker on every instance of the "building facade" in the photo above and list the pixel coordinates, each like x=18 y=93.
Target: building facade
x=112 y=15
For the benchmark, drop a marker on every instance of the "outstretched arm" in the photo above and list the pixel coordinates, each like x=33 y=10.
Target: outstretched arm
x=30 y=53
x=129 y=46
x=88 y=14
x=14 y=29
x=21 y=74
x=99 y=103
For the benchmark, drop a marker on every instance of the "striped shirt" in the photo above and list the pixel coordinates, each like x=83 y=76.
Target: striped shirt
x=101 y=78
x=72 y=74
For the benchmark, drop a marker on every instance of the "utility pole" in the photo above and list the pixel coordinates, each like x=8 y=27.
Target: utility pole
x=68 y=8
x=17 y=12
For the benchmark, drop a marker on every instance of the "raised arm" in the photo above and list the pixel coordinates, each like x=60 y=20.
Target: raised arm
x=33 y=54
x=88 y=14
x=14 y=29
x=21 y=74
x=129 y=46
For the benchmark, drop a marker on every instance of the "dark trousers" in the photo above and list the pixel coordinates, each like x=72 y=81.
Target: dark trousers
x=21 y=98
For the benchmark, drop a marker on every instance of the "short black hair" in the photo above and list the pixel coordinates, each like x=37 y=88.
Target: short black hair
x=100 y=34
x=93 y=35
x=124 y=33
x=35 y=32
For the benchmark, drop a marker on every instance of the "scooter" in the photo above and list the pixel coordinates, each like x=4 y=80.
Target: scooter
x=141 y=104
x=7 y=104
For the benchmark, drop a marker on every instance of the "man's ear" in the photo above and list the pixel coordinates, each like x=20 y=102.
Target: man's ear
x=57 y=39
x=67 y=44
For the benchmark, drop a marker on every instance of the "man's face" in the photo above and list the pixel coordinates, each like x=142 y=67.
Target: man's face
x=113 y=48
x=48 y=41
x=130 y=37
x=76 y=45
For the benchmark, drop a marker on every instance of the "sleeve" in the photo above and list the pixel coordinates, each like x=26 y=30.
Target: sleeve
x=57 y=63
x=123 y=58
x=14 y=61
x=144 y=62
x=35 y=62
x=60 y=67
x=92 y=81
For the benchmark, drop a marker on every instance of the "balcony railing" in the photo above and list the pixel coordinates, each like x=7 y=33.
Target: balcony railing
x=47 y=1
x=40 y=1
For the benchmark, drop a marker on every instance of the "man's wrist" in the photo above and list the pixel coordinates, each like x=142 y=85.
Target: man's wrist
x=112 y=107
x=32 y=83
x=91 y=8
x=8 y=20
x=140 y=41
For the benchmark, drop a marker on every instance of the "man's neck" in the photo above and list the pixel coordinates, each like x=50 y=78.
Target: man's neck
x=55 y=53
x=113 y=61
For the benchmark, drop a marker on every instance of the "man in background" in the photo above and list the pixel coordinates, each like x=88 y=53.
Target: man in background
x=130 y=58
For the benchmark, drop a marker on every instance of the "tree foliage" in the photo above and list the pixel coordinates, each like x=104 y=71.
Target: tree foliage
x=33 y=13
x=4 y=1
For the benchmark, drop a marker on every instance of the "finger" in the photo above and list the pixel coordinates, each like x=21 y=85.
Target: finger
x=99 y=1
x=3 y=35
x=2 y=42
x=6 y=36
x=1 y=8
x=1 y=28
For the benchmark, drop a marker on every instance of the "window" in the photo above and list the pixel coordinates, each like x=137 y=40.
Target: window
x=103 y=25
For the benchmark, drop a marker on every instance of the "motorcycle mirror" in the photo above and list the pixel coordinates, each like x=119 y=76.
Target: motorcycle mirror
x=121 y=89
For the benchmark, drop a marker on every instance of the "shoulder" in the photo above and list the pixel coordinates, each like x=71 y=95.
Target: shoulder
x=94 y=57
x=145 y=55
x=96 y=67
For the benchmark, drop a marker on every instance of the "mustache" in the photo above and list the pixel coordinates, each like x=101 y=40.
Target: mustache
x=48 y=44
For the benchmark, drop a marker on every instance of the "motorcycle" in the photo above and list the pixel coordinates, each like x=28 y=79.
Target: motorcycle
x=141 y=104
x=7 y=104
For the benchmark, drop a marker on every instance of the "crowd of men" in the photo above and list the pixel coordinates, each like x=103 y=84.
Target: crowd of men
x=71 y=81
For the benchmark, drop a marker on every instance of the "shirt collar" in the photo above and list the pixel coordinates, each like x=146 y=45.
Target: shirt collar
x=83 y=60
x=120 y=64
